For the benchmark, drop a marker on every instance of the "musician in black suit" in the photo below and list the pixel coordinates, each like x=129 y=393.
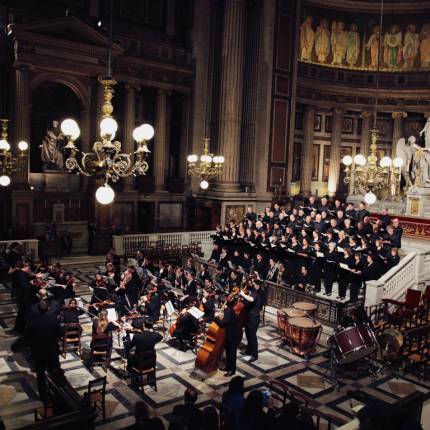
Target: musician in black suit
x=144 y=344
x=54 y=306
x=260 y=266
x=330 y=268
x=72 y=313
x=252 y=319
x=229 y=323
x=24 y=293
x=43 y=332
x=191 y=285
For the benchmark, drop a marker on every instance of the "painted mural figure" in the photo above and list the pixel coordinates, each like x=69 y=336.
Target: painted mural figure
x=339 y=42
x=372 y=46
x=322 y=41
x=307 y=38
x=353 y=45
x=425 y=47
x=52 y=148
x=393 y=47
x=411 y=44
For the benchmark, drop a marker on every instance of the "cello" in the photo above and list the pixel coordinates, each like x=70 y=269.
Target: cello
x=210 y=352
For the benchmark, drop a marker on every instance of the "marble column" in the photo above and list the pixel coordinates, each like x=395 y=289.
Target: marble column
x=230 y=114
x=160 y=147
x=336 y=136
x=21 y=123
x=129 y=123
x=397 y=127
x=307 y=149
x=185 y=130
x=366 y=119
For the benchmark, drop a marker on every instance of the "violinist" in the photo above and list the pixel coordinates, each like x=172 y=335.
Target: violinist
x=252 y=300
x=72 y=313
x=69 y=292
x=100 y=292
x=229 y=323
x=112 y=275
x=103 y=326
x=208 y=301
x=144 y=343
x=234 y=281
x=128 y=288
x=153 y=301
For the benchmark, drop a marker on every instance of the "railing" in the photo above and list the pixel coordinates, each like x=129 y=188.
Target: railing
x=129 y=244
x=413 y=271
x=31 y=247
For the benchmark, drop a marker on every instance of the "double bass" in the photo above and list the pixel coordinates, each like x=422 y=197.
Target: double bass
x=210 y=352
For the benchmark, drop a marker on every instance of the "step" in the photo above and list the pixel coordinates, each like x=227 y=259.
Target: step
x=80 y=261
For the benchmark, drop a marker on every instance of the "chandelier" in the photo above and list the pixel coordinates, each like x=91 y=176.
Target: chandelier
x=106 y=159
x=9 y=163
x=205 y=167
x=368 y=176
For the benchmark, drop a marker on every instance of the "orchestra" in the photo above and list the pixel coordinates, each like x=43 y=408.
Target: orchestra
x=310 y=249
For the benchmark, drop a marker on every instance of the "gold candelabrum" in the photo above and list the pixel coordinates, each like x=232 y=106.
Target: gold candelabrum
x=205 y=167
x=106 y=159
x=9 y=163
x=367 y=176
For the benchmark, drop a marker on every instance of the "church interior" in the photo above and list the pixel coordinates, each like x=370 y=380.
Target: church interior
x=215 y=214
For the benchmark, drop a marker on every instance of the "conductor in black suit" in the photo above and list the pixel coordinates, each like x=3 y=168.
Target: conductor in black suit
x=44 y=332
x=144 y=342
x=229 y=323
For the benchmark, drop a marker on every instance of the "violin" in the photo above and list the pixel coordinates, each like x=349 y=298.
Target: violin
x=178 y=322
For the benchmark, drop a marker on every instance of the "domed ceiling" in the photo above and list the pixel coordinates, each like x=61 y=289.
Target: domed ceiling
x=390 y=6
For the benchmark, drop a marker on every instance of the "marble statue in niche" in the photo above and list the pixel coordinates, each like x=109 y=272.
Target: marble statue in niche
x=426 y=132
x=411 y=44
x=339 y=42
x=406 y=151
x=393 y=47
x=52 y=148
x=425 y=47
x=322 y=41
x=353 y=45
x=307 y=38
x=372 y=46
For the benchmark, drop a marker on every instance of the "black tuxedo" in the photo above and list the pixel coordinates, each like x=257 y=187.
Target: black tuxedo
x=361 y=214
x=144 y=343
x=229 y=323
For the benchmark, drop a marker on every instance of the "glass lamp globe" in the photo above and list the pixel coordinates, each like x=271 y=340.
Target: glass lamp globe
x=147 y=131
x=385 y=162
x=4 y=145
x=347 y=160
x=108 y=126
x=216 y=159
x=204 y=185
x=4 y=180
x=105 y=195
x=360 y=160
x=370 y=198
x=192 y=158
x=206 y=158
x=221 y=159
x=70 y=128
x=398 y=162
x=23 y=145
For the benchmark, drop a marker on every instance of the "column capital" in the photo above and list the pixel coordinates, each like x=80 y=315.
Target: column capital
x=337 y=111
x=366 y=114
x=395 y=115
x=132 y=87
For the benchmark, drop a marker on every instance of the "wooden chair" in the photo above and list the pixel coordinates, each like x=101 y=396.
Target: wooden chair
x=72 y=338
x=97 y=394
x=404 y=311
x=101 y=346
x=44 y=412
x=143 y=374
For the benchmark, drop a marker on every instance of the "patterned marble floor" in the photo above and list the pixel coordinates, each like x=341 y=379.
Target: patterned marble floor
x=175 y=372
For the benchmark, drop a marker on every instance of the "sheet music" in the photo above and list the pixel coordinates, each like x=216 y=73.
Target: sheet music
x=226 y=238
x=339 y=249
x=131 y=336
x=111 y=314
x=344 y=266
x=291 y=250
x=320 y=254
x=169 y=308
x=196 y=313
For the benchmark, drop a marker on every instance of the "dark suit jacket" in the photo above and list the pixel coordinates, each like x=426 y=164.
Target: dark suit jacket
x=145 y=341
x=43 y=332
x=229 y=324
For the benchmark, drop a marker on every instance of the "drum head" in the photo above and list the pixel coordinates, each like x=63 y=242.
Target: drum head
x=304 y=322
x=305 y=306
x=294 y=313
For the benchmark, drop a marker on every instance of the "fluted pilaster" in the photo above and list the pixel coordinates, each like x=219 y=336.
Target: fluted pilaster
x=306 y=159
x=21 y=122
x=231 y=92
x=398 y=126
x=334 y=169
x=160 y=147
x=366 y=118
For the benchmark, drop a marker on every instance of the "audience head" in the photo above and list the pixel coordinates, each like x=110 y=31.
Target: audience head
x=43 y=306
x=141 y=412
x=190 y=395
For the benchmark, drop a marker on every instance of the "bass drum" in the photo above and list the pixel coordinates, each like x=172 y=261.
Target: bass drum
x=353 y=343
